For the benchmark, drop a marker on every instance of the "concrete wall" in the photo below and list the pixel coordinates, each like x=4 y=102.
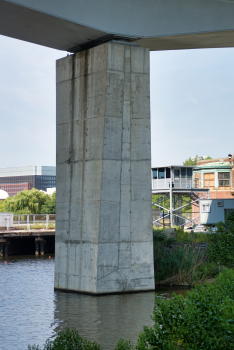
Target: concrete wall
x=103 y=222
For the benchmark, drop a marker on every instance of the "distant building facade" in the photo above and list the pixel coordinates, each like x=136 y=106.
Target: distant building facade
x=217 y=175
x=17 y=179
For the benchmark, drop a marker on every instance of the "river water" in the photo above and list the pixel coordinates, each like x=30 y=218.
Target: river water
x=31 y=311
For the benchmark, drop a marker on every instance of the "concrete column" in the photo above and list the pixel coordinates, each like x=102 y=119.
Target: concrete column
x=104 y=204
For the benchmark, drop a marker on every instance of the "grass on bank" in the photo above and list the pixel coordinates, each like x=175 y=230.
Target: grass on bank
x=183 y=264
x=39 y=226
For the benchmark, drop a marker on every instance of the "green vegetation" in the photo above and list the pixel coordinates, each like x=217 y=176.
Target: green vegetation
x=193 y=162
x=68 y=340
x=40 y=226
x=190 y=161
x=29 y=202
x=185 y=236
x=202 y=320
x=175 y=265
x=207 y=270
x=221 y=246
x=165 y=201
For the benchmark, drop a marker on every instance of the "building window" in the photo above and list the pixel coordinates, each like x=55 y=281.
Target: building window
x=197 y=182
x=177 y=173
x=224 y=179
x=155 y=174
x=189 y=173
x=205 y=208
x=161 y=173
x=168 y=173
x=183 y=173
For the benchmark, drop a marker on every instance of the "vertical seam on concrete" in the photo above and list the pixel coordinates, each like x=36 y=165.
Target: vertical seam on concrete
x=106 y=57
x=121 y=164
x=85 y=87
x=130 y=158
x=71 y=158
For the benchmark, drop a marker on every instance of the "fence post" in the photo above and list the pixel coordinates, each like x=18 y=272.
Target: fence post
x=34 y=219
x=28 y=223
x=8 y=222
x=47 y=221
x=18 y=220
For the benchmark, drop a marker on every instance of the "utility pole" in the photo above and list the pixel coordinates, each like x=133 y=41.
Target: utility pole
x=171 y=210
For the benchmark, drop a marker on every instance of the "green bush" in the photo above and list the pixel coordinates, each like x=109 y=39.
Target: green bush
x=202 y=320
x=177 y=264
x=124 y=345
x=206 y=270
x=229 y=221
x=221 y=247
x=68 y=340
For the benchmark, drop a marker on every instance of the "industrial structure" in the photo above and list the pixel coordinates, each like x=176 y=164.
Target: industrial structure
x=175 y=182
x=104 y=202
x=17 y=179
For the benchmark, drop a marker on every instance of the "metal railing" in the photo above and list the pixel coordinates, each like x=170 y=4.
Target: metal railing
x=34 y=221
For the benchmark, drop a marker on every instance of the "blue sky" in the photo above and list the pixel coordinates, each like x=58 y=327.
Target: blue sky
x=192 y=104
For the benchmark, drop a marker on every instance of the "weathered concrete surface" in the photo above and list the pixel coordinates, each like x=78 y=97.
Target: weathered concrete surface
x=103 y=222
x=155 y=24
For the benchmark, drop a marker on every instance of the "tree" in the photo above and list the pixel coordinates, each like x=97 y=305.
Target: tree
x=50 y=206
x=193 y=162
x=26 y=202
x=190 y=161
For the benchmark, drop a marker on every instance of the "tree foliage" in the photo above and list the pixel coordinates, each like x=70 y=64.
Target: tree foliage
x=221 y=246
x=193 y=162
x=68 y=340
x=29 y=202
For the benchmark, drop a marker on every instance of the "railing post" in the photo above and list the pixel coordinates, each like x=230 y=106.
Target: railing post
x=28 y=223
x=8 y=222
x=47 y=221
x=18 y=220
x=34 y=219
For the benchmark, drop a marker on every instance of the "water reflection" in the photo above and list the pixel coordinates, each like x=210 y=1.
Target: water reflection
x=31 y=312
x=105 y=319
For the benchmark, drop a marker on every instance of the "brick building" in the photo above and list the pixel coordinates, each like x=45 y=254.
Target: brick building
x=217 y=175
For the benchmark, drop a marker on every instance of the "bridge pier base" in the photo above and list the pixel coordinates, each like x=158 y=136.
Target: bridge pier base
x=104 y=203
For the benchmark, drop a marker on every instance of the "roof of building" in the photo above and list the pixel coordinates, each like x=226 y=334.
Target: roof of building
x=173 y=166
x=219 y=165
x=3 y=195
x=28 y=171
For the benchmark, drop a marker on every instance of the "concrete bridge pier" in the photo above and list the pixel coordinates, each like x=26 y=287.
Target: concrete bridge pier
x=104 y=205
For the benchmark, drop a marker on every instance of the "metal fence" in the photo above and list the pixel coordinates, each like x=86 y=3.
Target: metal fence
x=34 y=221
